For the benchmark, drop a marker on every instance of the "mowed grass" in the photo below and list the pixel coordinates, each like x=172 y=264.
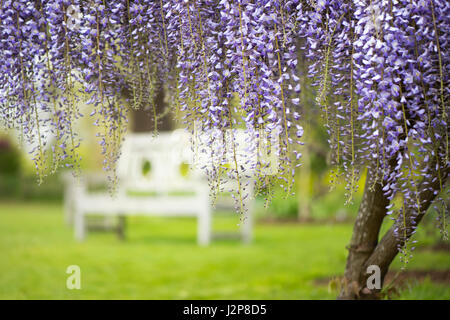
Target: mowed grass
x=160 y=260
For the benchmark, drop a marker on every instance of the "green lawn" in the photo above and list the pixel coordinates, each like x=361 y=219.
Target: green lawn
x=160 y=260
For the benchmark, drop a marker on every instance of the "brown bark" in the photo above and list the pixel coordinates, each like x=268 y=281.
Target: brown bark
x=143 y=118
x=364 y=249
x=365 y=237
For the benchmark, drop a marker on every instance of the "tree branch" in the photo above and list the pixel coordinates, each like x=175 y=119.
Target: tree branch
x=387 y=249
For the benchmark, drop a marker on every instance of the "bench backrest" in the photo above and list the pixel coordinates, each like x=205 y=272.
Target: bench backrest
x=167 y=163
x=156 y=163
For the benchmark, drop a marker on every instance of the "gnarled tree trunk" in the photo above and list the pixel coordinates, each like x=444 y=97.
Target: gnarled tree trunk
x=365 y=249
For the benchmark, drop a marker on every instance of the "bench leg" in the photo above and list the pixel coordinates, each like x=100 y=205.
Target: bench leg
x=68 y=207
x=247 y=227
x=204 y=227
x=79 y=225
x=247 y=221
x=121 y=224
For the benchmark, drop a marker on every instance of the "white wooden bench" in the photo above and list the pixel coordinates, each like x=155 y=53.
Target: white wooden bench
x=153 y=181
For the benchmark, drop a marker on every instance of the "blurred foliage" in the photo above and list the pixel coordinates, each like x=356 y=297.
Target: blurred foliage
x=19 y=183
x=314 y=195
x=9 y=168
x=146 y=168
x=26 y=188
x=9 y=158
x=282 y=206
x=323 y=203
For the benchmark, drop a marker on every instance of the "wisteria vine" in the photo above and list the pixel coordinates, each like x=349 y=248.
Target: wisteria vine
x=379 y=68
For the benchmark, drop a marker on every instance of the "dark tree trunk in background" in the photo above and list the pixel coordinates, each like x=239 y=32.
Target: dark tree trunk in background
x=143 y=119
x=366 y=249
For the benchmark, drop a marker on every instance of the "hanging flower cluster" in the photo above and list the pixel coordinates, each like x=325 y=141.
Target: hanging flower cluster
x=386 y=66
x=236 y=63
x=380 y=69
